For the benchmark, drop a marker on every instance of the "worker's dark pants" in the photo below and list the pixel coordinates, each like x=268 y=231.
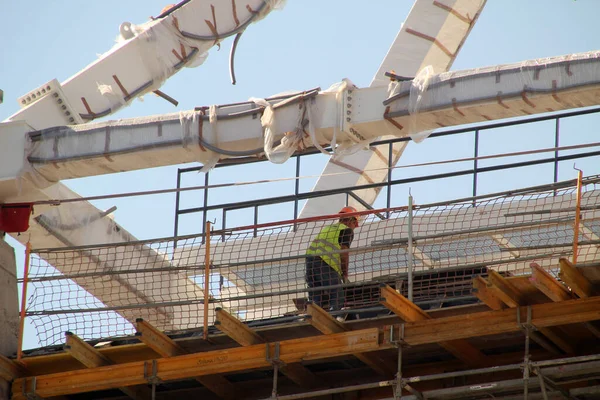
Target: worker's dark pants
x=320 y=274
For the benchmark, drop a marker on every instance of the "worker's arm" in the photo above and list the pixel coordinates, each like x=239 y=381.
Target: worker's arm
x=345 y=257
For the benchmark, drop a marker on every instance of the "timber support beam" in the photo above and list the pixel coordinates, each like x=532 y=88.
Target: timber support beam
x=166 y=347
x=486 y=294
x=326 y=324
x=410 y=312
x=200 y=364
x=513 y=297
x=242 y=334
x=555 y=291
x=92 y=358
x=310 y=348
x=575 y=279
x=545 y=283
x=10 y=369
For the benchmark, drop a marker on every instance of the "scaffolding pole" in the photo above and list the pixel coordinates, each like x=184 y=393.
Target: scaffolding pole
x=206 y=279
x=577 y=216
x=410 y=248
x=23 y=302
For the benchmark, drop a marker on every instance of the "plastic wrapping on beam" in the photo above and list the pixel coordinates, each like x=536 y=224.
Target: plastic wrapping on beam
x=426 y=103
x=483 y=94
x=141 y=61
x=432 y=34
x=206 y=136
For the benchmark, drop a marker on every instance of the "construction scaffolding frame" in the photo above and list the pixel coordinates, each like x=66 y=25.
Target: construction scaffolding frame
x=417 y=311
x=430 y=254
x=298 y=196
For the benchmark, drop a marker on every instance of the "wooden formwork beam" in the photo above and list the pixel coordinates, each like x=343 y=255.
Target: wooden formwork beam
x=487 y=295
x=242 y=334
x=555 y=291
x=575 y=279
x=157 y=340
x=10 y=369
x=166 y=347
x=311 y=348
x=545 y=283
x=513 y=298
x=236 y=329
x=501 y=321
x=92 y=358
x=504 y=290
x=410 y=312
x=327 y=325
x=200 y=364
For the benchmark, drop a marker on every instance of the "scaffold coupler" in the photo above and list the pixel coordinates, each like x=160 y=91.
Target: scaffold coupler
x=276 y=363
x=152 y=378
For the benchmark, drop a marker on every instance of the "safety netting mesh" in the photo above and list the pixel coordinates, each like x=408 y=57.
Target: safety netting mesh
x=258 y=273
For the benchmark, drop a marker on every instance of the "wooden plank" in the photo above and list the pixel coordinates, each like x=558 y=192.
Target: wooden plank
x=322 y=320
x=201 y=364
x=410 y=312
x=166 y=347
x=546 y=284
x=575 y=279
x=91 y=358
x=313 y=348
x=486 y=295
x=242 y=334
x=327 y=325
x=84 y=352
x=501 y=321
x=555 y=290
x=513 y=297
x=400 y=305
x=157 y=340
x=503 y=289
x=10 y=369
x=235 y=329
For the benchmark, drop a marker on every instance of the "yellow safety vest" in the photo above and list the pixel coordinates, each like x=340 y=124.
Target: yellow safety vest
x=327 y=246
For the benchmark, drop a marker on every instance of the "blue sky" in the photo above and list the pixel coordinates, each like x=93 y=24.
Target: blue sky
x=309 y=43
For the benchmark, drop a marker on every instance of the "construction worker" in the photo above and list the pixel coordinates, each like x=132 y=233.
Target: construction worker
x=326 y=265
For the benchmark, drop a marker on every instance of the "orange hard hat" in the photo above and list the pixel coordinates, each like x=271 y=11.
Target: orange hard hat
x=167 y=8
x=349 y=209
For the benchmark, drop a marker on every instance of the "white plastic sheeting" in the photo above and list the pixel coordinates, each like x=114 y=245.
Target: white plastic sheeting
x=490 y=93
x=432 y=35
x=418 y=91
x=140 y=62
x=312 y=118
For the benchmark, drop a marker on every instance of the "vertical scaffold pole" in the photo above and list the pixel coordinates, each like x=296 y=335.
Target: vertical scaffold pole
x=577 y=216
x=206 y=278
x=23 y=302
x=400 y=344
x=527 y=357
x=410 y=248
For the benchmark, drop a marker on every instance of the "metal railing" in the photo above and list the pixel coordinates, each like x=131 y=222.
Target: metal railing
x=298 y=196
